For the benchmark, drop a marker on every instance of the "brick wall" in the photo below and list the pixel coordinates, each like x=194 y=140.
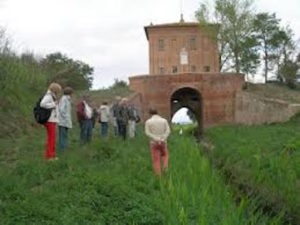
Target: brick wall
x=217 y=93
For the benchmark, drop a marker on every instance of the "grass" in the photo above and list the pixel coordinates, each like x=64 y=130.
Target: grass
x=263 y=159
x=112 y=183
x=21 y=84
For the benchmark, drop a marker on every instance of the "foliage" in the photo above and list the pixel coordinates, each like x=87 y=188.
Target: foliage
x=269 y=35
x=111 y=182
x=265 y=159
x=237 y=47
x=119 y=84
x=21 y=83
x=289 y=71
x=68 y=72
x=5 y=43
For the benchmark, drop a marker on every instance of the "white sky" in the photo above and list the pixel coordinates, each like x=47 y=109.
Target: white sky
x=109 y=34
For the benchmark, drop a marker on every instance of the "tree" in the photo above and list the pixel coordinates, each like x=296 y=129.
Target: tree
x=67 y=71
x=5 y=47
x=119 y=84
x=269 y=36
x=235 y=20
x=289 y=70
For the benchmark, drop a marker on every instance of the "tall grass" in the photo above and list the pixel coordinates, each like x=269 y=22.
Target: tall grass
x=265 y=159
x=20 y=84
x=195 y=193
x=111 y=182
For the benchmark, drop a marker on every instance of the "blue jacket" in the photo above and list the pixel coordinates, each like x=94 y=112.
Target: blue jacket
x=65 y=112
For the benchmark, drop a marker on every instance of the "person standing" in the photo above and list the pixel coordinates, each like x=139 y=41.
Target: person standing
x=49 y=101
x=65 y=117
x=122 y=118
x=133 y=115
x=114 y=110
x=84 y=116
x=104 y=118
x=158 y=130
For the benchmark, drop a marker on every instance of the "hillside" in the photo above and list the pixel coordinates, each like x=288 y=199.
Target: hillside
x=275 y=91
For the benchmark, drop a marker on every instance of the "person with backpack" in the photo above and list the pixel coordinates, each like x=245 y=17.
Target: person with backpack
x=50 y=102
x=158 y=130
x=65 y=117
x=84 y=116
x=104 y=118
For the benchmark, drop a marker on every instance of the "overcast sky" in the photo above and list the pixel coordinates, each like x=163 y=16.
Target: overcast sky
x=109 y=34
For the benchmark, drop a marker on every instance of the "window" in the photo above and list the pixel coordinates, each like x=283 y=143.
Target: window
x=193 y=68
x=206 y=68
x=174 y=69
x=161 y=44
x=161 y=70
x=193 y=44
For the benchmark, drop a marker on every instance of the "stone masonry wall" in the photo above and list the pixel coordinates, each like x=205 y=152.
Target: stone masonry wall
x=253 y=109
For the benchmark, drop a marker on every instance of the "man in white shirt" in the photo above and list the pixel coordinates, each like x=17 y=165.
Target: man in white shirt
x=104 y=118
x=158 y=130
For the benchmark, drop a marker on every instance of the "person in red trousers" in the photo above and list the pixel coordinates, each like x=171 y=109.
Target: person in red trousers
x=50 y=101
x=158 y=130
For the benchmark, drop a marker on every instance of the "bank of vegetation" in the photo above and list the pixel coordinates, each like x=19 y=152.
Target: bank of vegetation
x=261 y=162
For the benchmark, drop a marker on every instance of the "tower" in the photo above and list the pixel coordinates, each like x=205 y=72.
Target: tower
x=182 y=47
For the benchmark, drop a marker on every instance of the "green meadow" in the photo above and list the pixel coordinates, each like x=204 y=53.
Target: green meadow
x=241 y=175
x=111 y=182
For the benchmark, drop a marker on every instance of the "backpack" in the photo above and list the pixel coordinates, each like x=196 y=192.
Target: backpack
x=41 y=115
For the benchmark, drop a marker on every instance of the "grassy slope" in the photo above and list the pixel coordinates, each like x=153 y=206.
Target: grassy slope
x=275 y=91
x=264 y=159
x=113 y=184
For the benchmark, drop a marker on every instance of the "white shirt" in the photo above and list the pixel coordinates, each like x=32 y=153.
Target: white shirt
x=48 y=103
x=87 y=110
x=157 y=128
x=104 y=113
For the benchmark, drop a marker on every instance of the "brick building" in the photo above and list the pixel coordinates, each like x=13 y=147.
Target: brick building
x=184 y=72
x=181 y=48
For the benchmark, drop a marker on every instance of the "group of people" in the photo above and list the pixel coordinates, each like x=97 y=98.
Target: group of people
x=122 y=115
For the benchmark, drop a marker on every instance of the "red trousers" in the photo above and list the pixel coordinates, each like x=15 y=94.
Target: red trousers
x=159 y=151
x=51 y=135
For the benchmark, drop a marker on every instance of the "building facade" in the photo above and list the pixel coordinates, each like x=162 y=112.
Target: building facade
x=176 y=48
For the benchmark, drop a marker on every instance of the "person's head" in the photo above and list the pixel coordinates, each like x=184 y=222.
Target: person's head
x=85 y=97
x=68 y=91
x=55 y=88
x=104 y=103
x=118 y=99
x=124 y=101
x=153 y=111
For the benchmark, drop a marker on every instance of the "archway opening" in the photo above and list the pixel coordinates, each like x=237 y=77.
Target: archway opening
x=184 y=122
x=189 y=100
x=184 y=116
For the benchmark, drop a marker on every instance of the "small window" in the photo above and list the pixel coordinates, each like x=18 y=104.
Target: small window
x=193 y=44
x=174 y=69
x=193 y=68
x=161 y=44
x=161 y=70
x=206 y=68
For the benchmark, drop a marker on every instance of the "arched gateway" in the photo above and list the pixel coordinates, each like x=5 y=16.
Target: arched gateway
x=189 y=98
x=210 y=96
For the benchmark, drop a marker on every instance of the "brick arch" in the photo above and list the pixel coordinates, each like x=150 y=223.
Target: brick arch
x=217 y=92
x=191 y=98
